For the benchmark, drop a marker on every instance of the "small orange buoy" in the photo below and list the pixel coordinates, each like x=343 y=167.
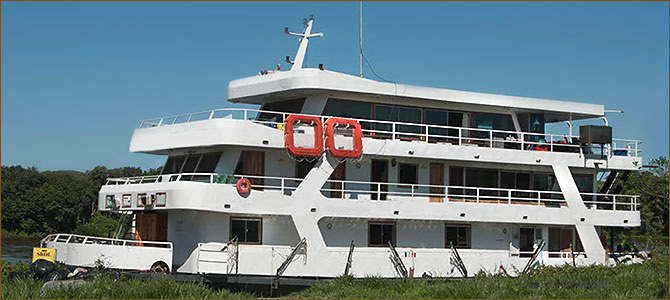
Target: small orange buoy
x=243 y=186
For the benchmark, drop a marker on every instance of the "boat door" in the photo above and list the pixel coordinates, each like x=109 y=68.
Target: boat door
x=436 y=178
x=151 y=226
x=379 y=173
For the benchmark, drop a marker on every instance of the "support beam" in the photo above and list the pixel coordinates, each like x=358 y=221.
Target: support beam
x=595 y=253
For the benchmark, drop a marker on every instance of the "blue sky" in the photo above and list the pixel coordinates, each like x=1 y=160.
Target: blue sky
x=78 y=77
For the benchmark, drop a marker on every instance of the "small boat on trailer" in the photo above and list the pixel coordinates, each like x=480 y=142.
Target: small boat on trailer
x=339 y=174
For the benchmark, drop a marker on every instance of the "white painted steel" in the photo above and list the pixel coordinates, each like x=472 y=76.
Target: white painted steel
x=79 y=250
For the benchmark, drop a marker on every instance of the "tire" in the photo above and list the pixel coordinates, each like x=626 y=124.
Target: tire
x=160 y=267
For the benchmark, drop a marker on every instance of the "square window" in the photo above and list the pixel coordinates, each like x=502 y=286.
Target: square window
x=141 y=199
x=161 y=199
x=407 y=174
x=380 y=234
x=458 y=236
x=247 y=230
x=127 y=200
x=110 y=202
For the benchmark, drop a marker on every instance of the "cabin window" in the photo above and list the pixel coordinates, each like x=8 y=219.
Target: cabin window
x=161 y=199
x=200 y=163
x=127 y=200
x=287 y=106
x=526 y=242
x=303 y=167
x=380 y=234
x=348 y=109
x=561 y=240
x=407 y=174
x=458 y=236
x=399 y=114
x=339 y=174
x=584 y=182
x=545 y=182
x=141 y=199
x=208 y=162
x=379 y=174
x=110 y=202
x=174 y=164
x=246 y=230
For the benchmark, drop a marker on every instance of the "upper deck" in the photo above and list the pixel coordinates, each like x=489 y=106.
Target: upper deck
x=303 y=83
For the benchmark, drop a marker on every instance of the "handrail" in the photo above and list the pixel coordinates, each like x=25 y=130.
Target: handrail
x=491 y=138
x=342 y=189
x=84 y=239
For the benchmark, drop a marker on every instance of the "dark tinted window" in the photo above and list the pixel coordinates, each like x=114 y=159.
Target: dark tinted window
x=458 y=236
x=208 y=162
x=407 y=174
x=380 y=234
x=348 y=108
x=246 y=230
x=191 y=163
x=173 y=164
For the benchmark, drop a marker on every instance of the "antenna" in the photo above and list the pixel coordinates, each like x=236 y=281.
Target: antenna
x=304 y=40
x=360 y=40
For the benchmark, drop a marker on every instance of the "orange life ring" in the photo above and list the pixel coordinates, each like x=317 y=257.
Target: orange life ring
x=330 y=138
x=318 y=135
x=243 y=186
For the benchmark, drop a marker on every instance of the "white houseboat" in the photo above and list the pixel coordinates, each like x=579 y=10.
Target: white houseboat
x=339 y=174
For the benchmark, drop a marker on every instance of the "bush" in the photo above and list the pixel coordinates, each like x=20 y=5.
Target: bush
x=100 y=225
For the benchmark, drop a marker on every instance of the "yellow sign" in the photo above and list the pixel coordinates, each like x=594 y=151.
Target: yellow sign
x=44 y=253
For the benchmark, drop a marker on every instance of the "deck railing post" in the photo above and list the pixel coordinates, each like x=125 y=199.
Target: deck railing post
x=379 y=196
x=342 y=190
x=446 y=193
x=211 y=115
x=490 y=138
x=477 y=199
x=551 y=143
x=393 y=135
x=245 y=114
x=460 y=136
x=509 y=196
x=614 y=201
x=523 y=139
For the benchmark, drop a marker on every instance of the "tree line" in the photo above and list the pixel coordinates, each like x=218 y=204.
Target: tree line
x=39 y=202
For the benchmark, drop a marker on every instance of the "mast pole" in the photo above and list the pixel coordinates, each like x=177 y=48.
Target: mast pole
x=360 y=39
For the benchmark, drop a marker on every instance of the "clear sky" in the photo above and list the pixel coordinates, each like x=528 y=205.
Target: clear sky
x=78 y=77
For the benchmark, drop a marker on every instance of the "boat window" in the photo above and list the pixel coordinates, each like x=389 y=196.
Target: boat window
x=190 y=164
x=247 y=230
x=526 y=242
x=560 y=240
x=173 y=164
x=287 y=106
x=303 y=167
x=513 y=180
x=348 y=109
x=208 y=162
x=584 y=182
x=407 y=174
x=458 y=236
x=399 y=114
x=380 y=234
x=481 y=177
x=545 y=182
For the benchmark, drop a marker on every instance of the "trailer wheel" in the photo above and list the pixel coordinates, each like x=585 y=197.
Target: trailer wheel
x=160 y=267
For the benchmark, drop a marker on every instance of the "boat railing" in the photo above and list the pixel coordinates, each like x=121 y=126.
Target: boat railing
x=384 y=191
x=67 y=238
x=404 y=131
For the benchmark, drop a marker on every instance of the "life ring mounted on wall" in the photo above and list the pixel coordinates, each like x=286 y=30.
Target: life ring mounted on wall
x=243 y=186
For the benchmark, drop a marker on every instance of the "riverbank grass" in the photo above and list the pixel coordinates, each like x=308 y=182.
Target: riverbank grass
x=645 y=280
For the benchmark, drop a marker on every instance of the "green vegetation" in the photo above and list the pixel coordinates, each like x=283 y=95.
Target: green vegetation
x=36 y=203
x=645 y=280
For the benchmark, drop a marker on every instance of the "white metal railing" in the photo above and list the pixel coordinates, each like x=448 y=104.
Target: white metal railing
x=198 y=177
x=87 y=240
x=424 y=132
x=381 y=191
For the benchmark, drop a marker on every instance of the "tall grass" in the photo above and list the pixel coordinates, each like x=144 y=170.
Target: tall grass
x=645 y=280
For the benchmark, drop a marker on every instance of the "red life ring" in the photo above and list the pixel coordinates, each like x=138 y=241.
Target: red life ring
x=243 y=186
x=318 y=135
x=330 y=138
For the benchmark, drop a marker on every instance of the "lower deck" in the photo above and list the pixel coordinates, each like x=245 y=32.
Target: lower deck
x=199 y=242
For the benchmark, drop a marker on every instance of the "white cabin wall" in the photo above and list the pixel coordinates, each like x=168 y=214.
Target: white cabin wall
x=187 y=228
